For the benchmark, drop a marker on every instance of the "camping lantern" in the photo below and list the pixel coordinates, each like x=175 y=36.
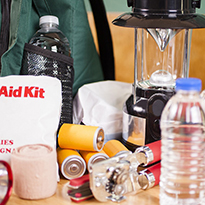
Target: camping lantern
x=163 y=31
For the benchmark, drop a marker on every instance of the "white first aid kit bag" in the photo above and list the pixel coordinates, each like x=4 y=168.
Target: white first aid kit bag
x=30 y=108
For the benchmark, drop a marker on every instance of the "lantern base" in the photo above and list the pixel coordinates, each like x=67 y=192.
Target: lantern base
x=141 y=120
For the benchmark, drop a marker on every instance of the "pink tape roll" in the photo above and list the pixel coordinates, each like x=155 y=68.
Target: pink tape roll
x=34 y=171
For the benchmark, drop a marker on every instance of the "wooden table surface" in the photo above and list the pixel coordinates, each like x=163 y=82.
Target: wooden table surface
x=147 y=197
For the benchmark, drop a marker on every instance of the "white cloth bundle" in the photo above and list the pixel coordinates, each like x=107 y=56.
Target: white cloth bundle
x=100 y=104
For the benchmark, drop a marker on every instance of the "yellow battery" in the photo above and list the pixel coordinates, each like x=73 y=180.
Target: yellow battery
x=113 y=147
x=93 y=157
x=71 y=163
x=81 y=137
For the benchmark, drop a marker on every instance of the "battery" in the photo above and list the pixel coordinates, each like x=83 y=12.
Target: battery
x=149 y=177
x=71 y=164
x=93 y=157
x=113 y=147
x=81 y=137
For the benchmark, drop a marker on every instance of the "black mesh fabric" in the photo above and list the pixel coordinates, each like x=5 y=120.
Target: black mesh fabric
x=38 y=61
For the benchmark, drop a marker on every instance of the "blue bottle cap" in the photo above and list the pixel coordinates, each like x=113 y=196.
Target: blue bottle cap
x=188 y=84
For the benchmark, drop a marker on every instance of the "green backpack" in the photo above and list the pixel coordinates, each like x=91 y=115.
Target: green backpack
x=20 y=20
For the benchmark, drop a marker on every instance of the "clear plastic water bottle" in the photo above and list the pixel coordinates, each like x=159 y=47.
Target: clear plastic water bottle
x=50 y=37
x=55 y=62
x=182 y=179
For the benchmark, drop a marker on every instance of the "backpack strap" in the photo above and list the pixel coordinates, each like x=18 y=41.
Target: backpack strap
x=104 y=39
x=5 y=23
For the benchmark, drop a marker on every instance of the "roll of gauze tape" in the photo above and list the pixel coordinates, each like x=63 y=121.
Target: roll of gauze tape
x=34 y=171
